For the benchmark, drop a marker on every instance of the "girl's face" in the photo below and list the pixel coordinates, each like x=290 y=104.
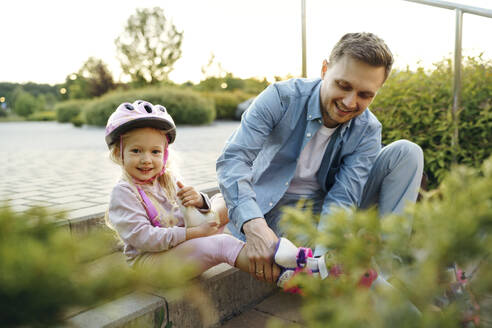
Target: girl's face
x=143 y=153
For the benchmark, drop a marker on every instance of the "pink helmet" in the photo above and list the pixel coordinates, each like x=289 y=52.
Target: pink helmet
x=140 y=114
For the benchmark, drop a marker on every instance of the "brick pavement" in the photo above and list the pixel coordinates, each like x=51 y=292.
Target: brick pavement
x=67 y=168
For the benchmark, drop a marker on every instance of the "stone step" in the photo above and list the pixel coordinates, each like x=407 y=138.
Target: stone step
x=229 y=291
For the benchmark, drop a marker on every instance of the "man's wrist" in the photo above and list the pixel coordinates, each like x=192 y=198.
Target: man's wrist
x=248 y=224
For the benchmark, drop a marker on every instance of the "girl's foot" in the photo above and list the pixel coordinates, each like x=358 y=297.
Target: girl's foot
x=293 y=260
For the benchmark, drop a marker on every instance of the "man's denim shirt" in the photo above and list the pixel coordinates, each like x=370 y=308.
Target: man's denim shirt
x=259 y=160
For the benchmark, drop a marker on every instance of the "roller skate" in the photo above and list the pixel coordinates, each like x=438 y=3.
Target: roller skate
x=293 y=260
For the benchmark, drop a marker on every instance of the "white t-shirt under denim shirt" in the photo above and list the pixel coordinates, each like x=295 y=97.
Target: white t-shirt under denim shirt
x=305 y=181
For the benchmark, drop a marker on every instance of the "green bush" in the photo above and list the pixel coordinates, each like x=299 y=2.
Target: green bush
x=231 y=83
x=12 y=117
x=44 y=270
x=42 y=116
x=185 y=106
x=78 y=121
x=226 y=102
x=67 y=110
x=418 y=106
x=26 y=104
x=452 y=224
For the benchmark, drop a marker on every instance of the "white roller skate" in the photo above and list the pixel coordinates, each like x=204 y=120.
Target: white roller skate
x=193 y=217
x=292 y=260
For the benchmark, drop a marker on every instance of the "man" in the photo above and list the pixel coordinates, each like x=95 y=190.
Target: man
x=317 y=140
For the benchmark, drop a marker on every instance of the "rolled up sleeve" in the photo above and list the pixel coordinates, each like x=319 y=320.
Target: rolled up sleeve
x=234 y=166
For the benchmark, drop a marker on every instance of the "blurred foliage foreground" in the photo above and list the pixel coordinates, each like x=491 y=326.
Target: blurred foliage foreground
x=451 y=226
x=47 y=273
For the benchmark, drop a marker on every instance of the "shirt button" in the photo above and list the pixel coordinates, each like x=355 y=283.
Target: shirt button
x=308 y=135
x=310 y=116
x=286 y=183
x=270 y=204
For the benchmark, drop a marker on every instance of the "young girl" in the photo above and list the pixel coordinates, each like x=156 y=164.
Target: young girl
x=153 y=213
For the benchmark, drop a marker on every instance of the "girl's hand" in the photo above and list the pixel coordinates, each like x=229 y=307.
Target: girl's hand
x=189 y=196
x=203 y=230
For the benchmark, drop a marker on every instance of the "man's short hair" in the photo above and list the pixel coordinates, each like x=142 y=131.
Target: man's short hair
x=366 y=47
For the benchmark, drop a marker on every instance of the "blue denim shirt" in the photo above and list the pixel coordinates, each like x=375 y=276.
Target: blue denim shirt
x=259 y=160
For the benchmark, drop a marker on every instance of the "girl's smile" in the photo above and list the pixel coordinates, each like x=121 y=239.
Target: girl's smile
x=143 y=151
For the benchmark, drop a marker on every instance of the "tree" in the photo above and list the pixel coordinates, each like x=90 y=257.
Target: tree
x=216 y=78
x=149 y=46
x=92 y=80
x=11 y=90
x=98 y=75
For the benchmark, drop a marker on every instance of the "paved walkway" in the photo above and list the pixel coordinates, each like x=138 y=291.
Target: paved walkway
x=67 y=168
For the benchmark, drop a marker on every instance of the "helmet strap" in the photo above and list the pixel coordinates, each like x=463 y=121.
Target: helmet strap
x=121 y=149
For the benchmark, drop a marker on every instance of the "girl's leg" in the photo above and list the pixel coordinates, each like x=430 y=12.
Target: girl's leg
x=242 y=261
x=219 y=206
x=203 y=253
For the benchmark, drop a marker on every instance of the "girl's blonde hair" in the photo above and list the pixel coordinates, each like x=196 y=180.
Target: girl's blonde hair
x=166 y=180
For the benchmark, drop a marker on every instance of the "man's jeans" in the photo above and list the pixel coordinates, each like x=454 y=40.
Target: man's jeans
x=394 y=180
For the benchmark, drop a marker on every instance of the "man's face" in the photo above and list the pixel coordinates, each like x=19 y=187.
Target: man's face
x=348 y=88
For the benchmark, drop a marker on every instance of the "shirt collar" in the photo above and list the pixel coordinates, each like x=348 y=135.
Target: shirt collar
x=314 y=108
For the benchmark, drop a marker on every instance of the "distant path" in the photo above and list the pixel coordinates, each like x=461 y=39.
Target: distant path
x=63 y=167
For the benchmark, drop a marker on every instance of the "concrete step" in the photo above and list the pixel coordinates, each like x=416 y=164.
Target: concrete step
x=280 y=307
x=229 y=291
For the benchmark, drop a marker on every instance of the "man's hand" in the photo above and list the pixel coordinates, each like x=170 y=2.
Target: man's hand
x=189 y=196
x=260 y=249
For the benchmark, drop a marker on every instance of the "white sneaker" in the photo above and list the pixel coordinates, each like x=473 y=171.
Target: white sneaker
x=292 y=259
x=193 y=217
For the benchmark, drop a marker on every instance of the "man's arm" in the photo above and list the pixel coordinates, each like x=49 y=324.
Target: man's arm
x=234 y=173
x=234 y=166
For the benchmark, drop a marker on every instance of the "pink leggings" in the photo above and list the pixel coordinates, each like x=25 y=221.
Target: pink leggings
x=204 y=252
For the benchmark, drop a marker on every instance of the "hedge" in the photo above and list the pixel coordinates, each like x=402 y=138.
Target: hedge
x=42 y=116
x=185 y=106
x=226 y=102
x=417 y=105
x=451 y=226
x=67 y=110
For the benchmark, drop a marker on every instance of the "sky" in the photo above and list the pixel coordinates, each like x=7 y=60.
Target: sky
x=45 y=41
